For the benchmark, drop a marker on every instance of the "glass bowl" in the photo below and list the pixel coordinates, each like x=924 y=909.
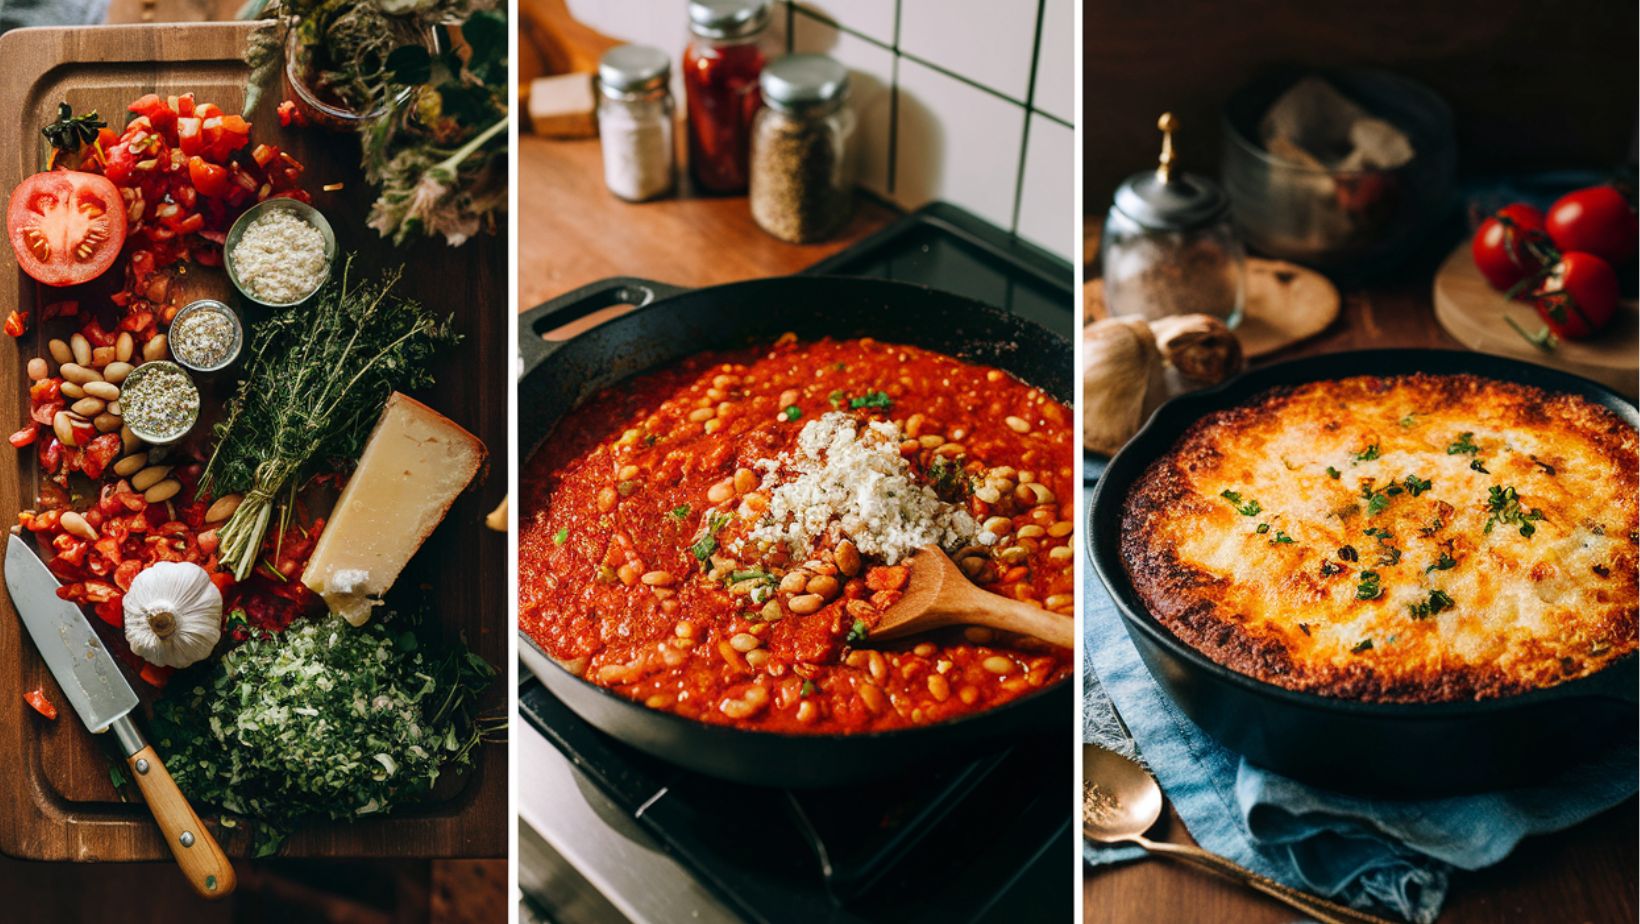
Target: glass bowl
x=303 y=211
x=324 y=110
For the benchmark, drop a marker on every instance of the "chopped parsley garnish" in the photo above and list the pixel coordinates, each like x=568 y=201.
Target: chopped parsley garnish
x=809 y=688
x=1410 y=421
x=872 y=399
x=1479 y=466
x=858 y=631
x=1328 y=569
x=1504 y=505
x=1465 y=446
x=1367 y=454
x=1281 y=538
x=1367 y=588
x=1376 y=502
x=792 y=413
x=837 y=397
x=1547 y=468
x=562 y=536
x=679 y=513
x=1415 y=485
x=1262 y=528
x=1363 y=645
x=1249 y=508
x=1444 y=563
x=1438 y=601
x=1378 y=531
x=707 y=543
x=1334 y=473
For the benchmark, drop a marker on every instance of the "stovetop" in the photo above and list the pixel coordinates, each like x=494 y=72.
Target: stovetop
x=989 y=840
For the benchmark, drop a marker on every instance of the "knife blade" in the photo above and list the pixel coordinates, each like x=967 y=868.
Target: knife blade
x=77 y=658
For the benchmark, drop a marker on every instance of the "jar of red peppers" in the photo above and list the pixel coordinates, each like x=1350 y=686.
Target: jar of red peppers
x=721 y=66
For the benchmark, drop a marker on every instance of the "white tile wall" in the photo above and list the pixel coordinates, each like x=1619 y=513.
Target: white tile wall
x=1055 y=88
x=990 y=42
x=1050 y=177
x=942 y=89
x=956 y=142
x=871 y=93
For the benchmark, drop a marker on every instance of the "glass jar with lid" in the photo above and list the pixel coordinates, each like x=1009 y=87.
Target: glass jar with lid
x=802 y=184
x=1168 y=246
x=635 y=117
x=721 y=65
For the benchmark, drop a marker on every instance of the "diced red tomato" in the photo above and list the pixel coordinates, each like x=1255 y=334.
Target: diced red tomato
x=17 y=323
x=208 y=178
x=99 y=454
x=37 y=699
x=25 y=436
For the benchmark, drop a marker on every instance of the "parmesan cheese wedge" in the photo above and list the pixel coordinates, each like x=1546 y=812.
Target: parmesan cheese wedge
x=414 y=465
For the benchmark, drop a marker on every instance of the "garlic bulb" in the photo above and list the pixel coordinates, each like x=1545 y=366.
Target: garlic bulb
x=1199 y=346
x=173 y=614
x=1121 y=381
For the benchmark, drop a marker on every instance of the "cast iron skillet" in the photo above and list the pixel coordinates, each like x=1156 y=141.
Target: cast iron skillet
x=1384 y=749
x=670 y=324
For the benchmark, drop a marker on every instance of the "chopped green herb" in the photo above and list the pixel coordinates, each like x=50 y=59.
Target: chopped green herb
x=809 y=688
x=1363 y=645
x=1334 y=473
x=1444 y=563
x=562 y=536
x=1547 y=468
x=70 y=132
x=858 y=631
x=1247 y=509
x=679 y=513
x=116 y=776
x=792 y=413
x=1367 y=588
x=1465 y=445
x=1410 y=421
x=1262 y=528
x=1378 y=531
x=1368 y=454
x=1479 y=466
x=1376 y=502
x=872 y=399
x=1438 y=601
x=707 y=543
x=1504 y=505
x=1281 y=538
x=1415 y=485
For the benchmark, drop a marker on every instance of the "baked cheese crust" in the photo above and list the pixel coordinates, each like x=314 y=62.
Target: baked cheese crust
x=1416 y=538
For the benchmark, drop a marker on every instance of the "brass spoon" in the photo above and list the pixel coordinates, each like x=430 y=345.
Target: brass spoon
x=940 y=595
x=1121 y=801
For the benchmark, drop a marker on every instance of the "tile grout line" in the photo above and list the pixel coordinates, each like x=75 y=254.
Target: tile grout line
x=894 y=107
x=1030 y=99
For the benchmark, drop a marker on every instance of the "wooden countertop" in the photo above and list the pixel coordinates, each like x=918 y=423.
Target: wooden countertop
x=1587 y=873
x=573 y=231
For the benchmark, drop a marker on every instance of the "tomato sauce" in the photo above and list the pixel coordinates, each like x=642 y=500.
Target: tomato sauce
x=636 y=572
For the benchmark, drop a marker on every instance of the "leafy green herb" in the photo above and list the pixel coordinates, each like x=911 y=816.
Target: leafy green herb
x=1376 y=502
x=1262 y=528
x=792 y=412
x=1415 y=485
x=1444 y=563
x=1380 y=532
x=679 y=513
x=1463 y=446
x=116 y=776
x=562 y=536
x=1368 y=454
x=837 y=397
x=873 y=399
x=706 y=543
x=1249 y=508
x=945 y=477
x=858 y=631
x=1479 y=466
x=322 y=721
x=313 y=389
x=71 y=132
x=1363 y=645
x=1504 y=505
x=1367 y=588
x=1281 y=538
x=809 y=688
x=1334 y=473
x=1438 y=601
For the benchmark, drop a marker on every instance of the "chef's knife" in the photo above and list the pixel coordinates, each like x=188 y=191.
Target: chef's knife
x=104 y=699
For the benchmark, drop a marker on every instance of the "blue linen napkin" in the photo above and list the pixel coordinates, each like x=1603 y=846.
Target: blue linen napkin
x=1370 y=854
x=15 y=14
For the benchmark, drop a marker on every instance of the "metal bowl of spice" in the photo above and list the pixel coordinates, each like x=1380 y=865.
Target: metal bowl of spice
x=279 y=252
x=206 y=336
x=160 y=402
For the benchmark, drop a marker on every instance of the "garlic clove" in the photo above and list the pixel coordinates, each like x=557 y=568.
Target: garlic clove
x=1122 y=381
x=1200 y=347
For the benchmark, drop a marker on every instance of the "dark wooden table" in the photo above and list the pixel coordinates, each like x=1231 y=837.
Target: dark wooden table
x=1588 y=874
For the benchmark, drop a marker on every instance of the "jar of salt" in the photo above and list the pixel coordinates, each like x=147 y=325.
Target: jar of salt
x=635 y=119
x=1168 y=246
x=801 y=181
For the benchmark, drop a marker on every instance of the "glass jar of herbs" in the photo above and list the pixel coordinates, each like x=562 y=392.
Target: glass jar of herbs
x=802 y=184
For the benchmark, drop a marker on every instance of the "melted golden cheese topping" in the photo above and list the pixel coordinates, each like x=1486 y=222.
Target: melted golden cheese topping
x=1414 y=538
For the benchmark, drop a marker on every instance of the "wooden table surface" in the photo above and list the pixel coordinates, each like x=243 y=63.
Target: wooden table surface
x=1584 y=874
x=573 y=231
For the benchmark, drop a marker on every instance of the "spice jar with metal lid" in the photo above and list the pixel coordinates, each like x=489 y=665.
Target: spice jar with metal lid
x=801 y=173
x=1168 y=246
x=721 y=66
x=635 y=115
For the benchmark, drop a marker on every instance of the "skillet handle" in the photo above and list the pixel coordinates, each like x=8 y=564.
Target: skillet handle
x=577 y=304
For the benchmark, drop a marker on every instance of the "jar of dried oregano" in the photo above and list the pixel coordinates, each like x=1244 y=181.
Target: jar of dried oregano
x=802 y=188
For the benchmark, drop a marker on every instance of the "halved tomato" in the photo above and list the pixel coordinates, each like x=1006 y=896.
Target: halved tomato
x=66 y=226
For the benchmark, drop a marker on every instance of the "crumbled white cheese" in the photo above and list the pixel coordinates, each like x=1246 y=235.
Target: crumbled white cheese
x=852 y=482
x=280 y=258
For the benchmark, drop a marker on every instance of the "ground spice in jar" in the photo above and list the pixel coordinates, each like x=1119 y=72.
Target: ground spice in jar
x=801 y=190
x=160 y=402
x=204 y=336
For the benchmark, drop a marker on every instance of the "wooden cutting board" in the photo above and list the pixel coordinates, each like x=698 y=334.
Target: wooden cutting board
x=1473 y=313
x=56 y=799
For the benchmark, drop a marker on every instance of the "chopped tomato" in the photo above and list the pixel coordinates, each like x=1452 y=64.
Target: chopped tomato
x=25 y=436
x=208 y=178
x=17 y=323
x=99 y=454
x=37 y=699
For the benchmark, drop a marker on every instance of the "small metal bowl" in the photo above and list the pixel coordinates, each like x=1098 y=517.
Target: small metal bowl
x=303 y=211
x=197 y=307
x=136 y=376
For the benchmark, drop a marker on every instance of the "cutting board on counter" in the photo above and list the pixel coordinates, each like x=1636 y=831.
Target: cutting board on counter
x=56 y=798
x=1474 y=314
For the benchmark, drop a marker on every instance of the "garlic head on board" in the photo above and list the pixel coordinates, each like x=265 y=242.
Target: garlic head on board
x=173 y=614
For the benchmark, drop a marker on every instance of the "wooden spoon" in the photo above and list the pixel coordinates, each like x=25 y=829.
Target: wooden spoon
x=940 y=595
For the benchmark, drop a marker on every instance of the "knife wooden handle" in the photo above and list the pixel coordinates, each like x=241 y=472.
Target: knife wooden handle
x=197 y=852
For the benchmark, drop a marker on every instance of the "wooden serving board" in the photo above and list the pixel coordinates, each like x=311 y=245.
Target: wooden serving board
x=56 y=798
x=1473 y=313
